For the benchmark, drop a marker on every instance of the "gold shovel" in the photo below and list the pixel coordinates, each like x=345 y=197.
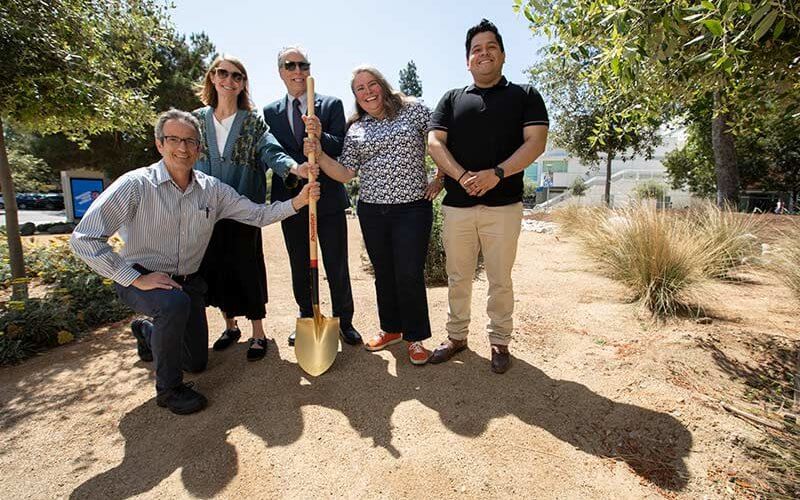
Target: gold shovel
x=317 y=339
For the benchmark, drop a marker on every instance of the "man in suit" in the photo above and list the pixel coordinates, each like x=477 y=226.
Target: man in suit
x=284 y=119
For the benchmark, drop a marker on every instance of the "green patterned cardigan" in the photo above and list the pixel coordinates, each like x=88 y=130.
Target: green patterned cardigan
x=249 y=151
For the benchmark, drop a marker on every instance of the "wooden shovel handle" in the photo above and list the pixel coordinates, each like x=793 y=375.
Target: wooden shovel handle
x=312 y=206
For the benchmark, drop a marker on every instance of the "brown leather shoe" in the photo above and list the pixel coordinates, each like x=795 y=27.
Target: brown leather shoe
x=447 y=350
x=501 y=359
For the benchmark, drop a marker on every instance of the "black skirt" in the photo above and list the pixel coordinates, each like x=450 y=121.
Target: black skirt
x=234 y=269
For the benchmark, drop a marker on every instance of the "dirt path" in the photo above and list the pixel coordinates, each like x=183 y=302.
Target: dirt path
x=599 y=403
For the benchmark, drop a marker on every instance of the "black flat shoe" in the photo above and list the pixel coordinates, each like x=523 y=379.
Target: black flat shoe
x=256 y=353
x=228 y=338
x=350 y=335
x=142 y=349
x=182 y=399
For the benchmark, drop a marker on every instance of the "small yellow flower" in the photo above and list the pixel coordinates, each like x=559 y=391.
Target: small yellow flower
x=16 y=305
x=64 y=337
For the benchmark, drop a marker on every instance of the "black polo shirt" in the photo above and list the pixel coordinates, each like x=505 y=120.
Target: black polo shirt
x=484 y=128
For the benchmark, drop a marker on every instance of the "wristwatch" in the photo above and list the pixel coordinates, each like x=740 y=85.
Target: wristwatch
x=499 y=172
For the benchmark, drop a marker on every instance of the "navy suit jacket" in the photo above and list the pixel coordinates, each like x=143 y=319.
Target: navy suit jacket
x=330 y=112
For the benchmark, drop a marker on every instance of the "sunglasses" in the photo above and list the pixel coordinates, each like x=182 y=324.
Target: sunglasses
x=224 y=73
x=291 y=65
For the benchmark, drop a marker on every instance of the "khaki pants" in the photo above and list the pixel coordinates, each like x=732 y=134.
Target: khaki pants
x=494 y=231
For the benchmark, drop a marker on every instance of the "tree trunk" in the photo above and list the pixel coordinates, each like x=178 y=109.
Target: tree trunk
x=19 y=278
x=607 y=194
x=725 y=167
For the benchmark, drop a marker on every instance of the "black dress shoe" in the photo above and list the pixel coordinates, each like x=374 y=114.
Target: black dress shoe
x=291 y=338
x=227 y=338
x=256 y=353
x=182 y=399
x=350 y=335
x=142 y=349
x=501 y=359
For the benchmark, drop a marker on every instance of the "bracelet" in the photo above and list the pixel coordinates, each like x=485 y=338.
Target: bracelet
x=460 y=176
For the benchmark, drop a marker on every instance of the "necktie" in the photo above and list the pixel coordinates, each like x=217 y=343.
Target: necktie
x=299 y=126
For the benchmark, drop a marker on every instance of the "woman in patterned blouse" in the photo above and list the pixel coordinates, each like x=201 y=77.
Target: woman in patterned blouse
x=385 y=147
x=237 y=149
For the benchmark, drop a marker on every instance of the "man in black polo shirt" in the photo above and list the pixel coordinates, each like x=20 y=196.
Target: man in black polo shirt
x=482 y=137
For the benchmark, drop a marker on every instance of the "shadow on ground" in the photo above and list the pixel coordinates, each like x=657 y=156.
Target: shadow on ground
x=266 y=399
x=768 y=368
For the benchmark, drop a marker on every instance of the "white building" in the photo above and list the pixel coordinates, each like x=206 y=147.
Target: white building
x=556 y=171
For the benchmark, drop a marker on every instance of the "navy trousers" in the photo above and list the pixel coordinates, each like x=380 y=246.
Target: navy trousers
x=332 y=236
x=179 y=336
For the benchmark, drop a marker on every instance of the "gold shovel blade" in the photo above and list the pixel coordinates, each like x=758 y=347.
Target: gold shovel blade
x=316 y=344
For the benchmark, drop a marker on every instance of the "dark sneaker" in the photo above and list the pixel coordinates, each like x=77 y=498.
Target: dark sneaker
x=228 y=338
x=182 y=400
x=142 y=349
x=257 y=349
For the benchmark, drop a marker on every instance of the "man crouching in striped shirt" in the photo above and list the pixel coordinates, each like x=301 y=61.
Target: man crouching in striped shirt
x=165 y=214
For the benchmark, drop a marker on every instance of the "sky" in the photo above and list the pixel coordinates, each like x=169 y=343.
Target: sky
x=340 y=35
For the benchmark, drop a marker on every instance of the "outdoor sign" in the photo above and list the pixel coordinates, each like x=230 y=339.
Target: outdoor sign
x=81 y=188
x=84 y=192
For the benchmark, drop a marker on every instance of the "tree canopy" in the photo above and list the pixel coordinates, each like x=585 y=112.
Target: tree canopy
x=182 y=63
x=677 y=52
x=409 y=80
x=581 y=112
x=75 y=67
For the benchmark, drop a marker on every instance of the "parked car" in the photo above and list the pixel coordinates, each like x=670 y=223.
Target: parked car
x=49 y=201
x=27 y=201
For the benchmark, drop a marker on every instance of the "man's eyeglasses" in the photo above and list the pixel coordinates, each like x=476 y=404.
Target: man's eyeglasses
x=224 y=73
x=174 y=140
x=291 y=65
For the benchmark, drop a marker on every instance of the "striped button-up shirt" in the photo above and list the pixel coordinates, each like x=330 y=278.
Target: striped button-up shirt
x=163 y=228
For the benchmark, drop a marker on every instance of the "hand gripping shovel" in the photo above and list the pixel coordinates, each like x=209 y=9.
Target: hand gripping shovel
x=317 y=339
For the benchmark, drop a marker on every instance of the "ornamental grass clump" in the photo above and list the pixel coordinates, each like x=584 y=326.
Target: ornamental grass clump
x=784 y=258
x=652 y=252
x=573 y=216
x=729 y=236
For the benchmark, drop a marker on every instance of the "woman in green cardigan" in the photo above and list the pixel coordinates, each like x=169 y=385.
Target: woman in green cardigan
x=238 y=149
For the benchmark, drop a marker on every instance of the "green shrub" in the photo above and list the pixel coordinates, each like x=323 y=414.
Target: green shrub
x=578 y=187
x=435 y=272
x=528 y=189
x=77 y=299
x=651 y=189
x=28 y=326
x=352 y=188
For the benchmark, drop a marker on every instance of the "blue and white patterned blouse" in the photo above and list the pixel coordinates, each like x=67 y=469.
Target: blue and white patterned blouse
x=389 y=155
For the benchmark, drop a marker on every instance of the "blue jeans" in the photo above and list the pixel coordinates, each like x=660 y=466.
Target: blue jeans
x=179 y=337
x=396 y=237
